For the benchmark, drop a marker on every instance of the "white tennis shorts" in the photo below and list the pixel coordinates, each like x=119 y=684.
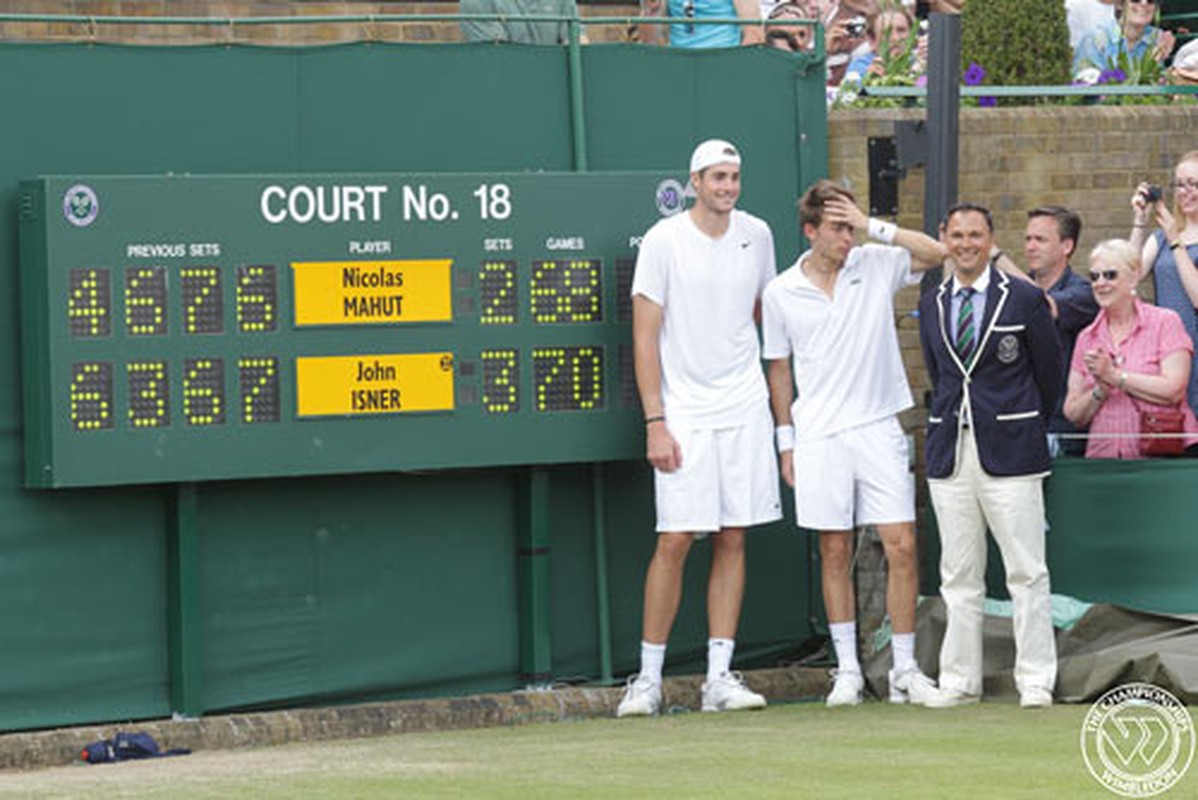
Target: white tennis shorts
x=728 y=479
x=856 y=477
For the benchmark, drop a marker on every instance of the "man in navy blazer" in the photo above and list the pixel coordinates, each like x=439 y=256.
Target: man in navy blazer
x=994 y=360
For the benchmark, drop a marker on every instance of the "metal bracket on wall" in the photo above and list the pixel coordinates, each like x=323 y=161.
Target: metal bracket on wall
x=889 y=159
x=884 y=172
x=911 y=143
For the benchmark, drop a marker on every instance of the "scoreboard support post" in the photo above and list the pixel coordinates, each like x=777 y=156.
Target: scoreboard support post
x=533 y=555
x=183 y=602
x=602 y=600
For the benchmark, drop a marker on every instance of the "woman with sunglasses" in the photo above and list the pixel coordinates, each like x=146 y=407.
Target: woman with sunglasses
x=1171 y=252
x=1132 y=35
x=1134 y=357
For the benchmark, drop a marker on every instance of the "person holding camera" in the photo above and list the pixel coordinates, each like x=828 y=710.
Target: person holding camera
x=845 y=28
x=890 y=34
x=1170 y=253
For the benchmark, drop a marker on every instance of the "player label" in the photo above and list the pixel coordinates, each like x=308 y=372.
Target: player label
x=373 y=384
x=372 y=292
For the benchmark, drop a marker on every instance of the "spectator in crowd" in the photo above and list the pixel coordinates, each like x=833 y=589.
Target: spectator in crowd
x=844 y=31
x=1134 y=357
x=695 y=294
x=1085 y=17
x=925 y=7
x=889 y=30
x=791 y=37
x=1132 y=35
x=687 y=34
x=1048 y=243
x=839 y=442
x=1171 y=253
x=994 y=362
x=513 y=29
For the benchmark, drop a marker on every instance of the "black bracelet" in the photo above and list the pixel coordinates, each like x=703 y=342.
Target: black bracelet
x=651 y=420
x=1175 y=245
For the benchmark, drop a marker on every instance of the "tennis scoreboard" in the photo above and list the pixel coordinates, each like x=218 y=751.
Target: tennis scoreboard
x=189 y=328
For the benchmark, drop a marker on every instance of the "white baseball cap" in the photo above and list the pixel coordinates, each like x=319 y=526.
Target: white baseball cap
x=714 y=151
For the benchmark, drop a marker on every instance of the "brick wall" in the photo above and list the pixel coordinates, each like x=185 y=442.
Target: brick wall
x=261 y=34
x=1088 y=158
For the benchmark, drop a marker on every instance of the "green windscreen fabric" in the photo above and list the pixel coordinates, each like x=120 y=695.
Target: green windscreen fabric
x=379 y=585
x=1120 y=532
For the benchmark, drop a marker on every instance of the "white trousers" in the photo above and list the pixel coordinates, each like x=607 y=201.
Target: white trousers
x=1014 y=510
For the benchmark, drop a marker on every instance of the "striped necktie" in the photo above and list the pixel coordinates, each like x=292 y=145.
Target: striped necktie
x=966 y=339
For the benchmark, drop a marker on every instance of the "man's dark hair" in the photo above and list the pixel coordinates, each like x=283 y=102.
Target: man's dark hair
x=811 y=204
x=1069 y=224
x=962 y=207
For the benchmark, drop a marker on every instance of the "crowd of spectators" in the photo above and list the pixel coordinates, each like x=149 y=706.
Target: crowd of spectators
x=1130 y=358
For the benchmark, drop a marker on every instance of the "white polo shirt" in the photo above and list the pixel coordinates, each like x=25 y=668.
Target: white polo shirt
x=707 y=288
x=848 y=369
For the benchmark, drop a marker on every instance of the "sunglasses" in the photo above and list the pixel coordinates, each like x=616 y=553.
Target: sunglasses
x=1103 y=274
x=777 y=38
x=1183 y=186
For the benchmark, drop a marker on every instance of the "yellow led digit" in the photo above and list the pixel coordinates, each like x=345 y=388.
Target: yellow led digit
x=567 y=291
x=257 y=297
x=88 y=302
x=149 y=394
x=582 y=291
x=544 y=293
x=501 y=394
x=586 y=378
x=145 y=301
x=91 y=396
x=203 y=304
x=204 y=391
x=568 y=378
x=497 y=293
x=259 y=382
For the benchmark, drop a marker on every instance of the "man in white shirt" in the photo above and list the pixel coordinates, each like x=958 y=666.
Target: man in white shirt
x=695 y=296
x=829 y=331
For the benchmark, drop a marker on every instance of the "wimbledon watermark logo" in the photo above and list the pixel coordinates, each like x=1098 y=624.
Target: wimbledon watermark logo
x=1138 y=740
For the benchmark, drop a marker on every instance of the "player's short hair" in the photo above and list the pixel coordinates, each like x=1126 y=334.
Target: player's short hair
x=811 y=204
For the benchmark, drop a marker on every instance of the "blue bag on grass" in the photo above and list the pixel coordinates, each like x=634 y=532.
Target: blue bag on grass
x=126 y=746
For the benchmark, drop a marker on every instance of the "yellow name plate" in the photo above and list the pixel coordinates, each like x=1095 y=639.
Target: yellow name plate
x=373 y=384
x=371 y=292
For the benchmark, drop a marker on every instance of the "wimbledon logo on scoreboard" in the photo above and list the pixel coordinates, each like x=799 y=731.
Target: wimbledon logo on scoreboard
x=80 y=205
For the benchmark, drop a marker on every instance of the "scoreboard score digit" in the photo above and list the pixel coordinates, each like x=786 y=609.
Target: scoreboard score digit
x=202 y=328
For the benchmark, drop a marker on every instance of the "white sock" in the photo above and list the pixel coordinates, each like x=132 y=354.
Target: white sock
x=653 y=656
x=844 y=639
x=719 y=657
x=903 y=647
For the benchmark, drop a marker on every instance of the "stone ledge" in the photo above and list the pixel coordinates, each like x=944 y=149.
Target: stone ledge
x=39 y=749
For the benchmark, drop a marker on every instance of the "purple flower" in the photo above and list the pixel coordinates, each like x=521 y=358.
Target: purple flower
x=922 y=81
x=988 y=102
x=975 y=74
x=1112 y=76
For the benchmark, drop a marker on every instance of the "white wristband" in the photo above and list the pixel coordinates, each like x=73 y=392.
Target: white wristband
x=882 y=231
x=784 y=435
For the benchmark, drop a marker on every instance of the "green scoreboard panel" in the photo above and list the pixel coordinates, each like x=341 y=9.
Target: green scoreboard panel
x=202 y=327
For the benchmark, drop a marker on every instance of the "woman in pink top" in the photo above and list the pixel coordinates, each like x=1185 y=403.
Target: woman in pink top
x=1133 y=356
